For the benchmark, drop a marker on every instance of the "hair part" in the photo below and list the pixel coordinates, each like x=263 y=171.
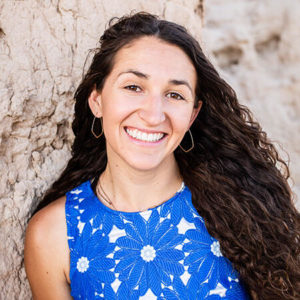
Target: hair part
x=232 y=171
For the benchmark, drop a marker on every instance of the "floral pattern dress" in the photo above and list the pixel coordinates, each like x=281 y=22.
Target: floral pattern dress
x=161 y=253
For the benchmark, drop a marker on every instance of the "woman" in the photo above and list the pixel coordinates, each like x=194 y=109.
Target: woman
x=172 y=191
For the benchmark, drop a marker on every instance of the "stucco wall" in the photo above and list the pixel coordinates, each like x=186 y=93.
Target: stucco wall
x=256 y=46
x=43 y=45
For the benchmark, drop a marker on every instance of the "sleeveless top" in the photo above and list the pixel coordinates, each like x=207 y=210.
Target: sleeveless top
x=161 y=253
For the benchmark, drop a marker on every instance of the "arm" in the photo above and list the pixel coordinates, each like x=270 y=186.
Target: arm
x=47 y=253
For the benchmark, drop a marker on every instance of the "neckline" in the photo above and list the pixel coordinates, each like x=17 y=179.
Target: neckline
x=131 y=213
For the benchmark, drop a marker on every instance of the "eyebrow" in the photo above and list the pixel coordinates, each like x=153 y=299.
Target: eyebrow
x=181 y=82
x=145 y=76
x=137 y=73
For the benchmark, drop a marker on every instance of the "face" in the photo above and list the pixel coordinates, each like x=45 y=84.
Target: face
x=147 y=103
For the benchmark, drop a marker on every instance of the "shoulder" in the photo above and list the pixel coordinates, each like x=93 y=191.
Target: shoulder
x=48 y=224
x=46 y=246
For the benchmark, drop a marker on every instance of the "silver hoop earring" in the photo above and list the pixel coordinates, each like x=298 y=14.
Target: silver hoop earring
x=188 y=150
x=92 y=128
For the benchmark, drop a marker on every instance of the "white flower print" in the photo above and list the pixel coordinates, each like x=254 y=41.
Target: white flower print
x=148 y=253
x=82 y=264
x=215 y=249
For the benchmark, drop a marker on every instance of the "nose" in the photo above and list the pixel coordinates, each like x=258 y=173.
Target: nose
x=152 y=110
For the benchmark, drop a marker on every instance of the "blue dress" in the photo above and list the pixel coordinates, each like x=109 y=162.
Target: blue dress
x=162 y=253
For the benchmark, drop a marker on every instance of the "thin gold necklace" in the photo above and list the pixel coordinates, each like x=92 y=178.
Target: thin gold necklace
x=102 y=195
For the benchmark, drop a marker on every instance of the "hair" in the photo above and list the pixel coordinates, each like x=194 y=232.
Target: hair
x=237 y=179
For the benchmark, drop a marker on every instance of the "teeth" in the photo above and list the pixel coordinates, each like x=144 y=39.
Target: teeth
x=143 y=136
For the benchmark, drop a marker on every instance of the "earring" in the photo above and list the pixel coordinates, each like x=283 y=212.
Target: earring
x=188 y=150
x=92 y=128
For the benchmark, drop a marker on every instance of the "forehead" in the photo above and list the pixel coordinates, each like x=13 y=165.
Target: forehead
x=155 y=57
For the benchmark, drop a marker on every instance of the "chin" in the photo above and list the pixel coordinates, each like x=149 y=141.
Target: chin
x=145 y=164
x=152 y=162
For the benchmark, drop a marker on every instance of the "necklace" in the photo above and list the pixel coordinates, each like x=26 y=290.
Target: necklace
x=102 y=195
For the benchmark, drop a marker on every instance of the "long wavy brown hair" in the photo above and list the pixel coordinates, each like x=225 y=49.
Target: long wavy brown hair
x=237 y=179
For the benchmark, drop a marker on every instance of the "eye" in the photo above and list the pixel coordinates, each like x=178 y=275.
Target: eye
x=175 y=96
x=133 y=88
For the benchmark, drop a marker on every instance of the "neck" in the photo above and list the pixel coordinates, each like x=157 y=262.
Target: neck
x=137 y=190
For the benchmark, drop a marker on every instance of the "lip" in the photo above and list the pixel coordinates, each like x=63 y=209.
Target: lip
x=144 y=130
x=145 y=143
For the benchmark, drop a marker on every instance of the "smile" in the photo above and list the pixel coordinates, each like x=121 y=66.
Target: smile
x=144 y=136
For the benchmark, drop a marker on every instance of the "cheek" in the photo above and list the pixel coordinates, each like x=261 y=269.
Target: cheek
x=181 y=118
x=115 y=113
x=117 y=106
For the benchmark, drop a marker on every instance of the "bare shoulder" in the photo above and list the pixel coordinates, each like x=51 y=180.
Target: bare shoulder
x=47 y=253
x=49 y=218
x=48 y=227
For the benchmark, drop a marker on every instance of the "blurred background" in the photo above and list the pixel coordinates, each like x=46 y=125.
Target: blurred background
x=255 y=45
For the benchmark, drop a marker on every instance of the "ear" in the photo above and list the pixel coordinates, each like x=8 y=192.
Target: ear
x=95 y=103
x=195 y=113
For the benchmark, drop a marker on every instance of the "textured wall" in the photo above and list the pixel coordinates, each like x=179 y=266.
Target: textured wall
x=256 y=46
x=43 y=45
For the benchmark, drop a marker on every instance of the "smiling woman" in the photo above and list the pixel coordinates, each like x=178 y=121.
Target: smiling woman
x=146 y=97
x=172 y=191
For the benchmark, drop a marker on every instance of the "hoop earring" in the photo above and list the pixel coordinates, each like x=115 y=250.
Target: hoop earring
x=188 y=150
x=92 y=128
